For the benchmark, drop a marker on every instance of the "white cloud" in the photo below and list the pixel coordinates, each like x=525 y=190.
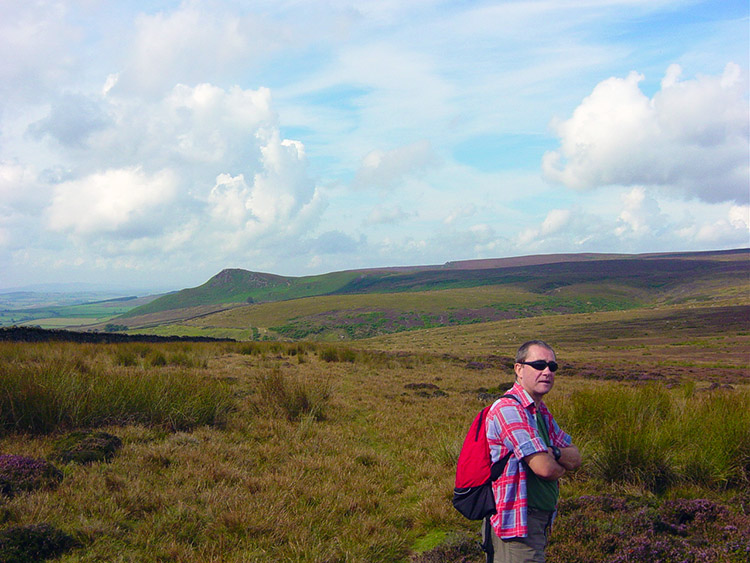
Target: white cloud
x=556 y=220
x=385 y=169
x=386 y=215
x=35 y=54
x=192 y=44
x=212 y=181
x=282 y=200
x=739 y=216
x=735 y=225
x=334 y=242
x=110 y=201
x=202 y=128
x=227 y=201
x=143 y=137
x=692 y=136
x=632 y=220
x=640 y=215
x=15 y=180
x=460 y=212
x=71 y=121
x=555 y=223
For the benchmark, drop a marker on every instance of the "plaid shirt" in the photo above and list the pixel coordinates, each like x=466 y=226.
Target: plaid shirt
x=512 y=427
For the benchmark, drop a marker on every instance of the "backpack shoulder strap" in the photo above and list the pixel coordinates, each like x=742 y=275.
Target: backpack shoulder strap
x=497 y=468
x=511 y=396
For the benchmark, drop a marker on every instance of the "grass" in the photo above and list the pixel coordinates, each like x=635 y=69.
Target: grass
x=47 y=389
x=365 y=315
x=646 y=436
x=293 y=399
x=334 y=453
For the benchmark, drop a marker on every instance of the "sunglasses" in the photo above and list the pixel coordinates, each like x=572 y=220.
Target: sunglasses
x=541 y=364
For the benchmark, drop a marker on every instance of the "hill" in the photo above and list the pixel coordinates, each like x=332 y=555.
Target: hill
x=364 y=303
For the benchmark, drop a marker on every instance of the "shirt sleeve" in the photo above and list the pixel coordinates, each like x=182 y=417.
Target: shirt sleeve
x=558 y=437
x=509 y=429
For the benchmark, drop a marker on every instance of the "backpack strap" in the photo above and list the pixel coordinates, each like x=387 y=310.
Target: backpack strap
x=497 y=468
x=486 y=544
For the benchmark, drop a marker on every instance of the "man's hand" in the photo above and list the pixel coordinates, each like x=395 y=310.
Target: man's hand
x=570 y=458
x=544 y=466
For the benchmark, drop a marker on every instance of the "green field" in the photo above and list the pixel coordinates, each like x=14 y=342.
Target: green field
x=74 y=315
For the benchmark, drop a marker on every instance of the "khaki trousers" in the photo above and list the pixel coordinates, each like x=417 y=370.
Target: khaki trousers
x=524 y=550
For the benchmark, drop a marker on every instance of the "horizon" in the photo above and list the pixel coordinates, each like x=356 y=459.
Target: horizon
x=113 y=291
x=165 y=140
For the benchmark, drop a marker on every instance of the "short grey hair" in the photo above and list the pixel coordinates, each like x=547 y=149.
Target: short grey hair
x=523 y=350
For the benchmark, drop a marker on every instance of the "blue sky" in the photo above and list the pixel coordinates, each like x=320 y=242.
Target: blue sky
x=152 y=144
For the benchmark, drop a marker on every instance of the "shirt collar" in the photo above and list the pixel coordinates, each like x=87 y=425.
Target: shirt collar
x=526 y=399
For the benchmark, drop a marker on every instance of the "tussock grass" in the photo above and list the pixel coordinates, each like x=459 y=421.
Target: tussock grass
x=53 y=392
x=657 y=439
x=293 y=398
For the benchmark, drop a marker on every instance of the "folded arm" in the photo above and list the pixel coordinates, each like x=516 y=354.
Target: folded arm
x=544 y=466
x=570 y=458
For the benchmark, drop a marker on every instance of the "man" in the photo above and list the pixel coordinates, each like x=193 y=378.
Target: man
x=526 y=493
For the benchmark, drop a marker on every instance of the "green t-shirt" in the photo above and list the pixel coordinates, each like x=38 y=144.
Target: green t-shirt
x=541 y=494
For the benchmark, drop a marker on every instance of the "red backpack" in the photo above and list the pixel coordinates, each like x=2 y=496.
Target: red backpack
x=472 y=495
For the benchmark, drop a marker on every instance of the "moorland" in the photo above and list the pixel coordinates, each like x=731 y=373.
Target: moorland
x=327 y=444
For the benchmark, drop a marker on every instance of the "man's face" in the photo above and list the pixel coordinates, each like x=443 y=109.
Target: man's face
x=536 y=383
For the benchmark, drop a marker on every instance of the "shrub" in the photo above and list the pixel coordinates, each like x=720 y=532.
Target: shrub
x=86 y=447
x=29 y=544
x=722 y=420
x=633 y=456
x=599 y=529
x=334 y=354
x=19 y=473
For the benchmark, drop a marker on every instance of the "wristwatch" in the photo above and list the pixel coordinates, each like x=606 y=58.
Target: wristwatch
x=556 y=452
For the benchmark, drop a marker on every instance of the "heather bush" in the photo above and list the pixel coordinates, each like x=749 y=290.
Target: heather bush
x=606 y=529
x=30 y=544
x=20 y=473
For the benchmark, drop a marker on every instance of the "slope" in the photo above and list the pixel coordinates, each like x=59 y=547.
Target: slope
x=372 y=303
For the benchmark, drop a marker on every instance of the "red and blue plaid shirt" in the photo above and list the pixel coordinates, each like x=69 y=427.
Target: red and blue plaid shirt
x=512 y=427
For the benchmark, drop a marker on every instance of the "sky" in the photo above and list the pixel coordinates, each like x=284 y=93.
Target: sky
x=155 y=143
